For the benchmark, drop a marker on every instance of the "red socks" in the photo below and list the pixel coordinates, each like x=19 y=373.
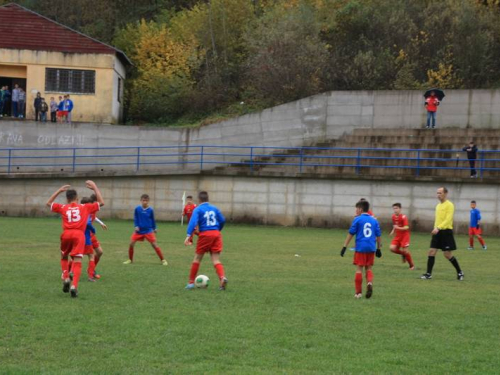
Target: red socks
x=409 y=259
x=91 y=269
x=194 y=271
x=397 y=251
x=358 y=282
x=219 y=268
x=158 y=252
x=481 y=241
x=77 y=271
x=369 y=276
x=471 y=241
x=131 y=253
x=64 y=267
x=96 y=259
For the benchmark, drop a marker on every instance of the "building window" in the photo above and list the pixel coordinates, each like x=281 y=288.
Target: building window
x=70 y=81
x=119 y=90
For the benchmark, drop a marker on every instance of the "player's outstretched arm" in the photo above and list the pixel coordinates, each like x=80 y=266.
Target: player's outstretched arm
x=346 y=243
x=103 y=226
x=56 y=193
x=92 y=186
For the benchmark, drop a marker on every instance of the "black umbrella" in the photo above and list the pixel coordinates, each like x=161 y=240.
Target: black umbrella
x=439 y=93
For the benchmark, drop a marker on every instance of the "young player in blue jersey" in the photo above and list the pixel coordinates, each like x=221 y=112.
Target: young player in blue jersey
x=210 y=222
x=145 y=228
x=89 y=249
x=474 y=228
x=368 y=243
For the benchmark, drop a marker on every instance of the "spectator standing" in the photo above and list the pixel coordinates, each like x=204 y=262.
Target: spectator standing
x=36 y=104
x=6 y=101
x=60 y=109
x=68 y=107
x=1 y=101
x=15 y=100
x=471 y=150
x=44 y=108
x=21 y=104
x=431 y=103
x=53 y=110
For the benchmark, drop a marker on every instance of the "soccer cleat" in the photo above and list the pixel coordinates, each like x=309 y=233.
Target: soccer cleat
x=128 y=261
x=460 y=276
x=412 y=268
x=189 y=286
x=223 y=283
x=426 y=276
x=369 y=291
x=470 y=248
x=97 y=276
x=358 y=295
x=164 y=262
x=74 y=292
x=66 y=285
x=485 y=247
x=91 y=279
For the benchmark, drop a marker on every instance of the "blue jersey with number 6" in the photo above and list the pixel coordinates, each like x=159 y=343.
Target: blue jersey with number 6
x=366 y=229
x=206 y=217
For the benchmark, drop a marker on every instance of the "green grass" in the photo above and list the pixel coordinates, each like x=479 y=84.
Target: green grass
x=280 y=314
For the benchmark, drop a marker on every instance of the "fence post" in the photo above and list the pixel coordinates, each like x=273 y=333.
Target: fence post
x=138 y=158
x=10 y=156
x=358 y=162
x=201 y=158
x=481 y=164
x=418 y=163
x=251 y=160
x=301 y=159
x=74 y=159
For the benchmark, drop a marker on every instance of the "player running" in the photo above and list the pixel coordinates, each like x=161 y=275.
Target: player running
x=74 y=220
x=368 y=243
x=210 y=222
x=401 y=230
x=474 y=228
x=145 y=228
x=89 y=250
x=442 y=235
x=96 y=245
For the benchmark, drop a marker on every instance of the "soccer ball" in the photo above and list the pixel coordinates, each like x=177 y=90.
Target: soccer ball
x=202 y=281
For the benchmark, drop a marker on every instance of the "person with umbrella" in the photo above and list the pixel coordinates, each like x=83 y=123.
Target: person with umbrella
x=433 y=98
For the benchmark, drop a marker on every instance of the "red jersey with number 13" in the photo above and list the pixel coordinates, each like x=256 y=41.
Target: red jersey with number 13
x=75 y=215
x=401 y=221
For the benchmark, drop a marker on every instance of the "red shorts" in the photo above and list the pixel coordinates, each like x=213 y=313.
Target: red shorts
x=401 y=241
x=150 y=237
x=62 y=113
x=475 y=231
x=363 y=259
x=95 y=241
x=73 y=243
x=209 y=241
x=88 y=250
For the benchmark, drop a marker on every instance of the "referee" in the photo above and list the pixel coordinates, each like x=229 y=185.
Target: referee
x=442 y=235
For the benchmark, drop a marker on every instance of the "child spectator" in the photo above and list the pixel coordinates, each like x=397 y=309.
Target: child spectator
x=53 y=110
x=21 y=104
x=60 y=110
x=36 y=104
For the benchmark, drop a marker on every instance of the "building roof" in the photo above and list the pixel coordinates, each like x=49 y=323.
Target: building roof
x=21 y=28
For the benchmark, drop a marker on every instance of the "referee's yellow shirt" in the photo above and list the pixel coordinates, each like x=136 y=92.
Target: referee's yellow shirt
x=444 y=215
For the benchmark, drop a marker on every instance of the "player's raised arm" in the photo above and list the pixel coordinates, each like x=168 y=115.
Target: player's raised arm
x=92 y=186
x=56 y=193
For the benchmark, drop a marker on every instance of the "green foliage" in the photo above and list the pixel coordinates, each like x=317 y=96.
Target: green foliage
x=281 y=314
x=218 y=52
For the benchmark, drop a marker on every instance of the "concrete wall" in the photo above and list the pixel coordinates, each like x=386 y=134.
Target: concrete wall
x=281 y=201
x=99 y=107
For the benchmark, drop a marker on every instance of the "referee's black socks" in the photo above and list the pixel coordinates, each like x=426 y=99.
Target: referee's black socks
x=454 y=261
x=430 y=264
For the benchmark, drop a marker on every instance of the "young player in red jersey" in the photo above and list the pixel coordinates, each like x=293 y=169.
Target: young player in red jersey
x=145 y=229
x=74 y=220
x=401 y=240
x=188 y=212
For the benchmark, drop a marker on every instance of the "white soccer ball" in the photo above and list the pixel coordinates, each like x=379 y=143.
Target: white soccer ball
x=202 y=281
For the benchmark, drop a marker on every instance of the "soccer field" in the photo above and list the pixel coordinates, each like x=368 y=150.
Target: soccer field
x=281 y=313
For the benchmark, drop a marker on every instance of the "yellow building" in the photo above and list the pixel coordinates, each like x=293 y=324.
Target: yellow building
x=41 y=55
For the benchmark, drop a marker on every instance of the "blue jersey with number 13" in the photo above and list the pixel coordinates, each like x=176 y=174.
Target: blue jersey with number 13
x=206 y=217
x=366 y=229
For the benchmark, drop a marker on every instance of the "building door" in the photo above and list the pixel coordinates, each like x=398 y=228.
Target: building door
x=11 y=82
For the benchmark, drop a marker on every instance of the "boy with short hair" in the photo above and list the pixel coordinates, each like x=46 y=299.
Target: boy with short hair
x=89 y=250
x=189 y=208
x=145 y=228
x=96 y=245
x=368 y=243
x=74 y=218
x=474 y=228
x=401 y=228
x=210 y=222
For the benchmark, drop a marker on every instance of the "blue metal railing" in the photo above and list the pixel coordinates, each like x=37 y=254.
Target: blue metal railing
x=200 y=157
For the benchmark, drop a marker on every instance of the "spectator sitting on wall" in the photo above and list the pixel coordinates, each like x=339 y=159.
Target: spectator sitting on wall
x=6 y=101
x=60 y=110
x=471 y=150
x=53 y=109
x=36 y=104
x=15 y=101
x=44 y=108
x=68 y=107
x=21 y=104
x=431 y=103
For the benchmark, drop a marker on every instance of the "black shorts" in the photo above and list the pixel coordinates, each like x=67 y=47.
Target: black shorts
x=444 y=240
